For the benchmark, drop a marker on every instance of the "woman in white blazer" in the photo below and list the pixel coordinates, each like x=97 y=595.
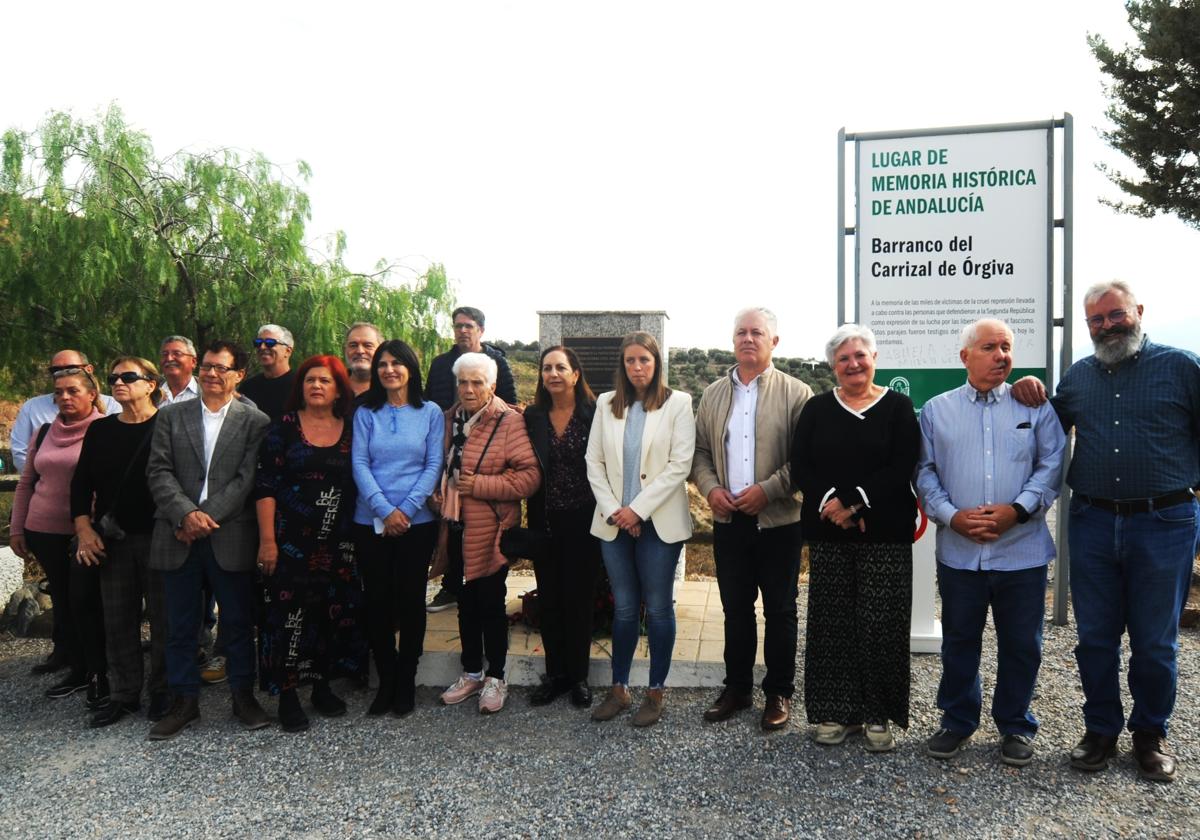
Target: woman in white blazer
x=638 y=458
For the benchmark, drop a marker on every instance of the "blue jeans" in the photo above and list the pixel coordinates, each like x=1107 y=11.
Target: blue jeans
x=642 y=569
x=236 y=594
x=1018 y=602
x=1130 y=572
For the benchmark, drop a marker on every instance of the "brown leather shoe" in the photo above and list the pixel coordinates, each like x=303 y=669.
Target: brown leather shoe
x=651 y=709
x=247 y=710
x=183 y=711
x=1093 y=751
x=617 y=701
x=1153 y=756
x=728 y=704
x=777 y=712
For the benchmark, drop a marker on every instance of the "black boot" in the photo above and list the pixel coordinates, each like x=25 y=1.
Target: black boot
x=325 y=701
x=406 y=699
x=291 y=716
x=247 y=710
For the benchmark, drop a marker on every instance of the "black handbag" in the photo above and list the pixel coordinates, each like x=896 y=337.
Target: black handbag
x=518 y=543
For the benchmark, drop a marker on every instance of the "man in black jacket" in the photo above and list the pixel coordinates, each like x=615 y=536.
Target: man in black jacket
x=441 y=388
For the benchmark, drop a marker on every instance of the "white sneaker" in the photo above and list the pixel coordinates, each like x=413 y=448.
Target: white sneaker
x=491 y=699
x=464 y=687
x=831 y=733
x=879 y=738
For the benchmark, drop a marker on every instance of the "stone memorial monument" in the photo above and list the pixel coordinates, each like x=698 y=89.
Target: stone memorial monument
x=595 y=336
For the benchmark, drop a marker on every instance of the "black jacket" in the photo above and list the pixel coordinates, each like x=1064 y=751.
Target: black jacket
x=537 y=423
x=441 y=388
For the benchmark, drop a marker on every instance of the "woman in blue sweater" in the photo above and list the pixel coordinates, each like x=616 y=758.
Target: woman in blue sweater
x=397 y=459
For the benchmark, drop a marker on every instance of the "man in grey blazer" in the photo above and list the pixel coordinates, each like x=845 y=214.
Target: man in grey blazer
x=201 y=470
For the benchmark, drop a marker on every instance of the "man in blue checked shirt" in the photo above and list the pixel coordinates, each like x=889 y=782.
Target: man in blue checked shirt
x=989 y=469
x=1134 y=524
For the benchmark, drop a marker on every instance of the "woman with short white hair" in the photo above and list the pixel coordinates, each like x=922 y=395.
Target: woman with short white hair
x=853 y=456
x=490 y=468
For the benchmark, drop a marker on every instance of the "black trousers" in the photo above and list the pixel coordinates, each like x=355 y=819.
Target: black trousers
x=566 y=583
x=394 y=571
x=752 y=560
x=78 y=615
x=125 y=580
x=482 y=621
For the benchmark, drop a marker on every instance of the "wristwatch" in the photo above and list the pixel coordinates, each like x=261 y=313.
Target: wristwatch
x=1022 y=514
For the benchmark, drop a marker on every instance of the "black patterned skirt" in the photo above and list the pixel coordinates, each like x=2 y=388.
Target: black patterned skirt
x=856 y=661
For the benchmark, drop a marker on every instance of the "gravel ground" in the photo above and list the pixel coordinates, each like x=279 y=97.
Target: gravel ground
x=554 y=773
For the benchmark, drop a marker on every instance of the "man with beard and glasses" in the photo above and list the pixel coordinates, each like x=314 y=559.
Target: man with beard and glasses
x=362 y=339
x=1135 y=406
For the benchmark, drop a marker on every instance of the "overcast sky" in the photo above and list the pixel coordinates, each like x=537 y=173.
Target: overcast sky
x=623 y=155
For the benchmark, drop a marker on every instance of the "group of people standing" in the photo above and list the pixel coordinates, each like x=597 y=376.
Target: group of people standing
x=315 y=505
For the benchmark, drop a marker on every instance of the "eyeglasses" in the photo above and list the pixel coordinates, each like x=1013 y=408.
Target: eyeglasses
x=1114 y=317
x=175 y=354
x=220 y=370
x=269 y=343
x=128 y=377
x=467 y=326
x=66 y=370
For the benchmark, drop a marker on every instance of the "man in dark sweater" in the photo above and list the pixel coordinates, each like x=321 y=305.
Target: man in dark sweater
x=441 y=388
x=269 y=390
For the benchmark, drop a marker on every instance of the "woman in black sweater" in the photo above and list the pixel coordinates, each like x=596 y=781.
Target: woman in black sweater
x=853 y=457
x=114 y=516
x=559 y=423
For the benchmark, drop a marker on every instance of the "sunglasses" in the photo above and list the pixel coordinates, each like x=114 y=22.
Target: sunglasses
x=128 y=377
x=269 y=343
x=55 y=370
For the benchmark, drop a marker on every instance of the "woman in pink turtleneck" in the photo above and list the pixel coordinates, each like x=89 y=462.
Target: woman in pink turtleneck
x=42 y=531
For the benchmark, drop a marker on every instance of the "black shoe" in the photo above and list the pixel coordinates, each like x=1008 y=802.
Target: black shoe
x=160 y=704
x=945 y=744
x=550 y=690
x=325 y=701
x=384 y=697
x=1154 y=758
x=51 y=664
x=443 y=600
x=1016 y=750
x=406 y=699
x=183 y=711
x=291 y=716
x=247 y=710
x=73 y=683
x=581 y=695
x=1093 y=751
x=97 y=694
x=112 y=714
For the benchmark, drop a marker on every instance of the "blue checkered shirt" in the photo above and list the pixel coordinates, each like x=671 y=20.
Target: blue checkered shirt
x=988 y=449
x=1137 y=426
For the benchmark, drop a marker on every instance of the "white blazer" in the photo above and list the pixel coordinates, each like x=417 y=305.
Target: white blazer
x=668 y=442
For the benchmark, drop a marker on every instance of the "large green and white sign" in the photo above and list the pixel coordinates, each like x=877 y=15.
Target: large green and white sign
x=951 y=228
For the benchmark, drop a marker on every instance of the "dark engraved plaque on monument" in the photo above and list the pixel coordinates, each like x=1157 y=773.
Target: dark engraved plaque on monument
x=599 y=356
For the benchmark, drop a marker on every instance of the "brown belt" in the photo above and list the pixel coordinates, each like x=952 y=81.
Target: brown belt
x=1128 y=506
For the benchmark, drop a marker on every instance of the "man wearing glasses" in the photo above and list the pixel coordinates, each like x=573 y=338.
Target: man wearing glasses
x=269 y=390
x=201 y=469
x=1135 y=406
x=441 y=387
x=177 y=361
x=38 y=411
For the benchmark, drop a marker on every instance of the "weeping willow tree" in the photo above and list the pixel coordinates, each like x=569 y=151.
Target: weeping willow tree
x=106 y=248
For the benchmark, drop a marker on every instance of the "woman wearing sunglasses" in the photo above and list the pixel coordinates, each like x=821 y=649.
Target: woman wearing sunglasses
x=114 y=517
x=41 y=530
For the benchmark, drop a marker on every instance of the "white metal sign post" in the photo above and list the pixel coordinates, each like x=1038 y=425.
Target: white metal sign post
x=950 y=225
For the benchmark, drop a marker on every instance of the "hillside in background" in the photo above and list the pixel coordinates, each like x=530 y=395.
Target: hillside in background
x=690 y=369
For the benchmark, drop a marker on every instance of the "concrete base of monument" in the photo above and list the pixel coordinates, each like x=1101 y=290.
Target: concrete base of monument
x=697 y=659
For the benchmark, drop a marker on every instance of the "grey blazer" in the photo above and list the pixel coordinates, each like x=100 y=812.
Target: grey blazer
x=175 y=474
